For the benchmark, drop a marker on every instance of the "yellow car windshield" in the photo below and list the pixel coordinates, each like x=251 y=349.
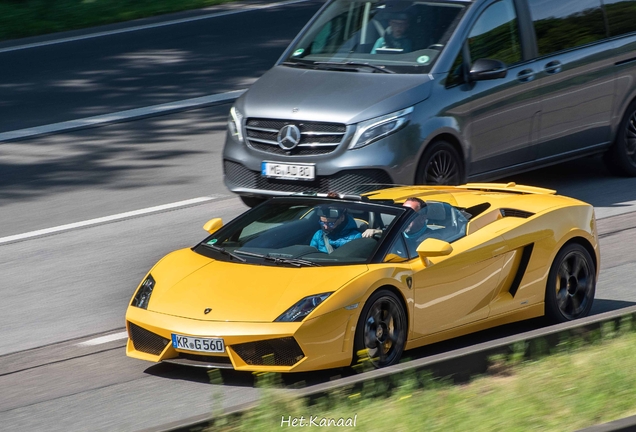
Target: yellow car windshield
x=304 y=231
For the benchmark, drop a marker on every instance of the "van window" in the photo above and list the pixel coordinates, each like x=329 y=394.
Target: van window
x=620 y=16
x=456 y=74
x=565 y=24
x=495 y=35
x=404 y=36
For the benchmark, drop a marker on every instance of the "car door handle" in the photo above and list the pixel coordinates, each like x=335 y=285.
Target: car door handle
x=553 y=67
x=525 y=75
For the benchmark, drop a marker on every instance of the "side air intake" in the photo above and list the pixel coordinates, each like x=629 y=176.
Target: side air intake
x=506 y=212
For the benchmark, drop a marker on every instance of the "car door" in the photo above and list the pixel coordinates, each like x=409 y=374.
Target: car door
x=456 y=289
x=575 y=76
x=503 y=110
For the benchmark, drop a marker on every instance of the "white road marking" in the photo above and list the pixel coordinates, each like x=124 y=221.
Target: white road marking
x=104 y=219
x=148 y=26
x=121 y=115
x=104 y=339
x=616 y=209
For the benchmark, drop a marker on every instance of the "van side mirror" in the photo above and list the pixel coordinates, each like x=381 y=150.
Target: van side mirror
x=487 y=69
x=433 y=248
x=213 y=225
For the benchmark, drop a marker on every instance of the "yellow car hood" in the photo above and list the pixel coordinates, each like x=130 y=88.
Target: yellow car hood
x=235 y=291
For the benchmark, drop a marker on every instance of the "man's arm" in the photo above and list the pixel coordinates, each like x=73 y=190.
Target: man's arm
x=346 y=239
x=371 y=232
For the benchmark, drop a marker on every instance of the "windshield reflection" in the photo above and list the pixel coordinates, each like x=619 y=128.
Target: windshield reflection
x=303 y=232
x=394 y=36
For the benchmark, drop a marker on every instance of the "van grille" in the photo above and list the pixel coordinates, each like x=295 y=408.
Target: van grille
x=146 y=341
x=273 y=352
x=316 y=138
x=350 y=181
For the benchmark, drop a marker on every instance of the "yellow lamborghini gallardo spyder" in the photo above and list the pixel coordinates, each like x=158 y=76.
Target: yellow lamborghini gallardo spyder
x=306 y=282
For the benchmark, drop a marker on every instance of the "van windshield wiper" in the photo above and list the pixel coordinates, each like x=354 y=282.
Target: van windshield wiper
x=357 y=64
x=322 y=66
x=277 y=260
x=225 y=252
x=299 y=64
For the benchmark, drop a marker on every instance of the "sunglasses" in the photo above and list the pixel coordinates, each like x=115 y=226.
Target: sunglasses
x=328 y=224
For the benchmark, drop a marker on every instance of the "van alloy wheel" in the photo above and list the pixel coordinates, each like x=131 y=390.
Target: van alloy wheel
x=630 y=138
x=621 y=157
x=440 y=165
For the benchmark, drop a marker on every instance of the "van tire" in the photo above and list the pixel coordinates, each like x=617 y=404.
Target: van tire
x=621 y=157
x=440 y=165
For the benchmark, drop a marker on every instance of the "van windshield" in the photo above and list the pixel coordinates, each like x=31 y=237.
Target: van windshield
x=377 y=36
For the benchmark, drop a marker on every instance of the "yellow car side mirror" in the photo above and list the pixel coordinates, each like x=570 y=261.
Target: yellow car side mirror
x=433 y=248
x=213 y=225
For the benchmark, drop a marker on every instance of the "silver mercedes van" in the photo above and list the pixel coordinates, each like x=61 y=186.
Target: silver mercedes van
x=376 y=92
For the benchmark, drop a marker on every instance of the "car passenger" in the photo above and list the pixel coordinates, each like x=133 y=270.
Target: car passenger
x=413 y=202
x=337 y=227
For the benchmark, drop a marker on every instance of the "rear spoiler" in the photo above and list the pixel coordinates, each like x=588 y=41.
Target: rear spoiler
x=511 y=187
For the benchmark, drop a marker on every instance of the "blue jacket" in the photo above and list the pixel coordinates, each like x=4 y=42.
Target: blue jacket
x=346 y=234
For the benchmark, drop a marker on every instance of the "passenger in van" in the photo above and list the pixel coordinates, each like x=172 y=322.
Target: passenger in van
x=395 y=35
x=337 y=227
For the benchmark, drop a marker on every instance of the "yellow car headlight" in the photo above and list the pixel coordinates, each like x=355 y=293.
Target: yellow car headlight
x=142 y=297
x=303 y=308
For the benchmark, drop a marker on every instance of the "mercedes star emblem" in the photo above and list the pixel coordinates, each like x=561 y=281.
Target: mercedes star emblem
x=288 y=137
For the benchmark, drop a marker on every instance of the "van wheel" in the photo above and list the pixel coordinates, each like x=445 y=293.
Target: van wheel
x=381 y=331
x=440 y=165
x=571 y=284
x=252 y=201
x=621 y=157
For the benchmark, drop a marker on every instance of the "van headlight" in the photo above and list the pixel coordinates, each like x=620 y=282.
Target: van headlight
x=234 y=122
x=372 y=130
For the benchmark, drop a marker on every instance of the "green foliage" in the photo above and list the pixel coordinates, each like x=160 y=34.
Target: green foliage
x=35 y=17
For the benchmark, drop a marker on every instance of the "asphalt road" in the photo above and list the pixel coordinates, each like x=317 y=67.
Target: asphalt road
x=77 y=283
x=87 y=77
x=61 y=290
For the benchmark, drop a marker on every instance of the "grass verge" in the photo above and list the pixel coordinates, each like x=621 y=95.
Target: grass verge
x=23 y=18
x=583 y=382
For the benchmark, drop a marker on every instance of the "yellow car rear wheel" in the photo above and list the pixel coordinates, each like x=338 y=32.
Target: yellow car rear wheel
x=571 y=284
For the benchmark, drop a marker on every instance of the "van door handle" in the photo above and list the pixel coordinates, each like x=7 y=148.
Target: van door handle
x=525 y=75
x=553 y=67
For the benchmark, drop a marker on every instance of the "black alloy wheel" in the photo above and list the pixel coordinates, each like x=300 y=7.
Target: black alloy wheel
x=440 y=165
x=571 y=284
x=621 y=157
x=381 y=331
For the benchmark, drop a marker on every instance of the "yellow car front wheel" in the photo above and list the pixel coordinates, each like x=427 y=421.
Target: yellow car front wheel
x=381 y=331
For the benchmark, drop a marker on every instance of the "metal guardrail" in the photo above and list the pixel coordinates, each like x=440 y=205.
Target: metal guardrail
x=460 y=364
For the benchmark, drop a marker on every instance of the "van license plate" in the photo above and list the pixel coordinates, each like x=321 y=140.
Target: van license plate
x=288 y=171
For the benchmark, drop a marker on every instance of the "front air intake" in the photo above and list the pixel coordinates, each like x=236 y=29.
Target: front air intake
x=272 y=352
x=146 y=341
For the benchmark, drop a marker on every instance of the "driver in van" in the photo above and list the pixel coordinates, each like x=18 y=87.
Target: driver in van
x=337 y=227
x=395 y=35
